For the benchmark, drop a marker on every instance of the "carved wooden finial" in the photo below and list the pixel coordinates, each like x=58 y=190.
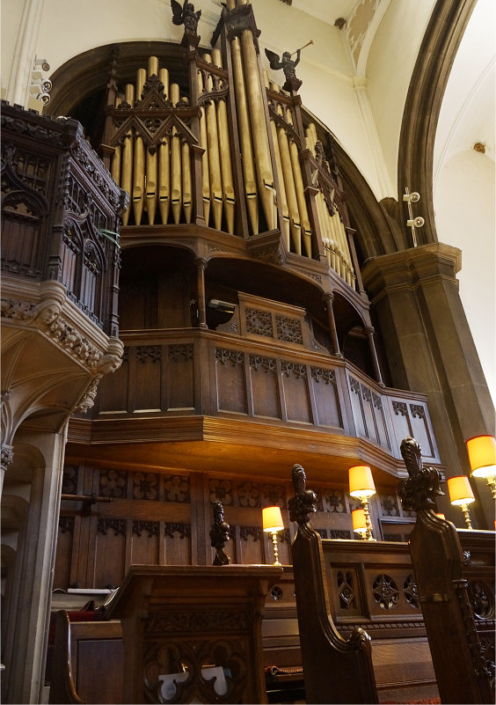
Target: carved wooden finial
x=303 y=503
x=420 y=489
x=219 y=534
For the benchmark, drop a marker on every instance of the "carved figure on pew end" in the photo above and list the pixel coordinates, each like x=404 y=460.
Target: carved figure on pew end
x=464 y=673
x=347 y=663
x=219 y=535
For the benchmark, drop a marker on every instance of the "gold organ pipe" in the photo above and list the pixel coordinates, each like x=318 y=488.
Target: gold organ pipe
x=176 y=178
x=139 y=159
x=225 y=151
x=152 y=66
x=187 y=197
x=204 y=146
x=245 y=135
x=260 y=138
x=230 y=4
x=151 y=160
x=282 y=188
x=127 y=155
x=115 y=168
x=289 y=184
x=164 y=162
x=213 y=155
x=226 y=166
x=300 y=193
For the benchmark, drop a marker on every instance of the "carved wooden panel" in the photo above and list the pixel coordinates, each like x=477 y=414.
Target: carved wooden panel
x=145 y=542
x=113 y=389
x=265 y=391
x=411 y=418
x=368 y=413
x=231 y=383
x=110 y=552
x=295 y=386
x=180 y=377
x=148 y=387
x=326 y=397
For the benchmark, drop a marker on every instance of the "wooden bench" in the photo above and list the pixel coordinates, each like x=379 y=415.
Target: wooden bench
x=88 y=661
x=454 y=571
x=357 y=604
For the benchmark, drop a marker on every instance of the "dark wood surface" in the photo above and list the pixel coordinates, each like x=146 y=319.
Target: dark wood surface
x=193 y=617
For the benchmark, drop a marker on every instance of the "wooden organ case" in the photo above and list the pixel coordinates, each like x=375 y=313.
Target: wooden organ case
x=248 y=334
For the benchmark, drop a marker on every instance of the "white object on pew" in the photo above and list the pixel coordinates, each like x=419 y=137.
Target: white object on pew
x=89 y=591
x=168 y=688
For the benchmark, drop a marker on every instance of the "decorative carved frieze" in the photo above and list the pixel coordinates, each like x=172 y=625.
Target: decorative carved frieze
x=411 y=592
x=389 y=504
x=248 y=495
x=88 y=400
x=289 y=330
x=17 y=310
x=259 y=322
x=177 y=488
x=180 y=353
x=117 y=526
x=274 y=495
x=145 y=486
x=385 y=591
x=70 y=479
x=259 y=362
x=191 y=621
x=400 y=408
x=233 y=357
x=346 y=589
x=321 y=374
x=296 y=369
x=153 y=353
x=254 y=531
x=113 y=483
x=418 y=411
x=221 y=490
x=177 y=527
x=151 y=528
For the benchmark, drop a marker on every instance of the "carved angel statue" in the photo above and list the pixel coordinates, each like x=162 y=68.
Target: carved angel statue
x=287 y=64
x=185 y=15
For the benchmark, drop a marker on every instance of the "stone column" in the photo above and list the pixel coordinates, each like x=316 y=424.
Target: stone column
x=39 y=457
x=430 y=349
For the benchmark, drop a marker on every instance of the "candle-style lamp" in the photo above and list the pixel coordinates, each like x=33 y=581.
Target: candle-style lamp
x=482 y=457
x=461 y=495
x=272 y=524
x=359 y=522
x=362 y=486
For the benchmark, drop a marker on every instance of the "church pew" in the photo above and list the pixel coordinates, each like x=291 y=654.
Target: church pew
x=363 y=592
x=454 y=570
x=88 y=661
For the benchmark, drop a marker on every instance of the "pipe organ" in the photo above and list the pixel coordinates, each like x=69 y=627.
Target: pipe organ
x=227 y=149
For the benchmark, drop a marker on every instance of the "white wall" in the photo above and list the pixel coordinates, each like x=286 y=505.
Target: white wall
x=465 y=217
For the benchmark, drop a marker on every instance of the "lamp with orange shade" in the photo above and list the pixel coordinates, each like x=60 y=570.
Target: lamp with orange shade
x=461 y=495
x=273 y=523
x=362 y=486
x=359 y=522
x=482 y=457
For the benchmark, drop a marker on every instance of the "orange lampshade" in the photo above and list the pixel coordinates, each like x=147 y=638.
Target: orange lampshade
x=459 y=490
x=359 y=522
x=482 y=456
x=272 y=519
x=361 y=481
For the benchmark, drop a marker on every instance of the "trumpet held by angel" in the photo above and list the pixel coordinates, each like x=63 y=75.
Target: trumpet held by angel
x=286 y=62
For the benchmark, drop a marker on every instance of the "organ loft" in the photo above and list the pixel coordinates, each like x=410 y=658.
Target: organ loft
x=191 y=248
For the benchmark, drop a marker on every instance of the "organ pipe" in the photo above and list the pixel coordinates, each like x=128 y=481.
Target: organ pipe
x=225 y=151
x=260 y=138
x=213 y=154
x=245 y=135
x=204 y=145
x=300 y=194
x=176 y=159
x=139 y=159
x=127 y=155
